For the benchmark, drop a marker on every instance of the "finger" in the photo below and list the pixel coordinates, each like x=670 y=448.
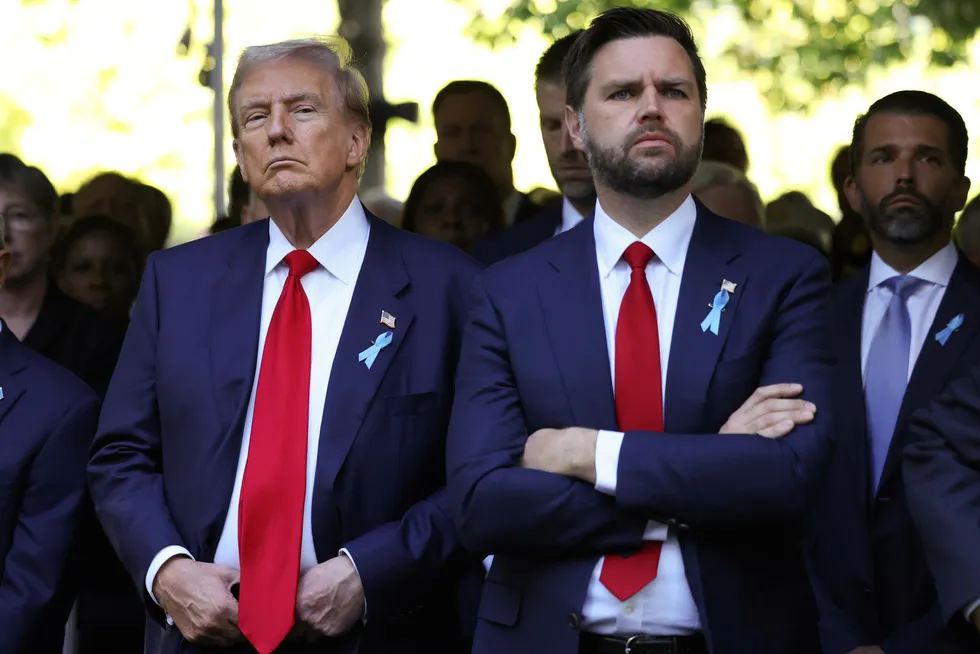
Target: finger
x=778 y=430
x=774 y=405
x=770 y=419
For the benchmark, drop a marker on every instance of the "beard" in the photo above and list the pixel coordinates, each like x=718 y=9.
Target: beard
x=645 y=176
x=906 y=224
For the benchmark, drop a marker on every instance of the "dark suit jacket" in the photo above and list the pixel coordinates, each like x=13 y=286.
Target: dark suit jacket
x=169 y=439
x=534 y=356
x=77 y=338
x=518 y=238
x=870 y=571
x=942 y=479
x=47 y=420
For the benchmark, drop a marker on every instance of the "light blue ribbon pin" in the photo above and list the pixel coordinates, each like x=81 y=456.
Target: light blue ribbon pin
x=953 y=325
x=369 y=355
x=713 y=320
x=1 y=393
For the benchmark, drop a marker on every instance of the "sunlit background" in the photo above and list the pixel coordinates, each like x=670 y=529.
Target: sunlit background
x=91 y=85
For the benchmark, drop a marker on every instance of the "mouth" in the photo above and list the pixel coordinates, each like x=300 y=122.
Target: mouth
x=576 y=173
x=652 y=140
x=280 y=162
x=906 y=201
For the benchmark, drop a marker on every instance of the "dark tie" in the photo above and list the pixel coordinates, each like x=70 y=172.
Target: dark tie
x=886 y=372
x=270 y=514
x=639 y=405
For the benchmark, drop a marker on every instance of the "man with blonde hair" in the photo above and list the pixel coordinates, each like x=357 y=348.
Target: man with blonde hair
x=725 y=190
x=269 y=464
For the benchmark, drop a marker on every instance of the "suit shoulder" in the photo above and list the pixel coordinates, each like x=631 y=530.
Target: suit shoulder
x=60 y=387
x=207 y=248
x=770 y=250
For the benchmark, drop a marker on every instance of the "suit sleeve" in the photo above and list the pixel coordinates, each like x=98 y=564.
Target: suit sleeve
x=42 y=538
x=400 y=562
x=727 y=480
x=499 y=506
x=124 y=471
x=941 y=469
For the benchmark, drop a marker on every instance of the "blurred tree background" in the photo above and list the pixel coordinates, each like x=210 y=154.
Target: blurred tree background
x=796 y=50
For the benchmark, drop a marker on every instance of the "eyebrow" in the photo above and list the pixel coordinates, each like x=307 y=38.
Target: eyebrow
x=292 y=98
x=668 y=82
x=887 y=148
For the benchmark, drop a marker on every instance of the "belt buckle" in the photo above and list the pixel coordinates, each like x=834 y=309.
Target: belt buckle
x=637 y=639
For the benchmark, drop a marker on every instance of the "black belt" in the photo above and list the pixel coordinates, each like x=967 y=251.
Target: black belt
x=641 y=644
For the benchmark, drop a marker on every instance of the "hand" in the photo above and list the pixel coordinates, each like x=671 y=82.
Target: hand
x=868 y=649
x=330 y=598
x=197 y=597
x=768 y=413
x=569 y=452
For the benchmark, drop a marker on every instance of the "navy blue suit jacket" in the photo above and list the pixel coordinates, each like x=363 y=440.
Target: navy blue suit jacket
x=47 y=420
x=519 y=238
x=942 y=479
x=534 y=356
x=874 y=587
x=169 y=439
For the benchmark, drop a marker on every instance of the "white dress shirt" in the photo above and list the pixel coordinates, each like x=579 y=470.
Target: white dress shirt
x=665 y=606
x=923 y=304
x=329 y=288
x=570 y=216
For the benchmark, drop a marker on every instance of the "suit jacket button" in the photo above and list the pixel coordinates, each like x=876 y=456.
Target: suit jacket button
x=574 y=621
x=671 y=522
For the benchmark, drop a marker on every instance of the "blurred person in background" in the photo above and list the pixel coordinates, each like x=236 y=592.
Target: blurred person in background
x=47 y=419
x=792 y=215
x=111 y=194
x=97 y=263
x=382 y=205
x=728 y=192
x=967 y=232
x=159 y=215
x=472 y=123
x=453 y=202
x=850 y=242
x=724 y=143
x=568 y=166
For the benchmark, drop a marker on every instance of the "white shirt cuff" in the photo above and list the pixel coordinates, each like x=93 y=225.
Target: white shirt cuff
x=487 y=562
x=968 y=611
x=607 y=446
x=354 y=563
x=162 y=557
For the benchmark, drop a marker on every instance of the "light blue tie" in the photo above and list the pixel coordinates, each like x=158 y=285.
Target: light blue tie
x=886 y=372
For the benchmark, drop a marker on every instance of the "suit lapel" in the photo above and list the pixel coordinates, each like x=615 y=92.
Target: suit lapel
x=693 y=352
x=12 y=363
x=571 y=302
x=936 y=362
x=380 y=284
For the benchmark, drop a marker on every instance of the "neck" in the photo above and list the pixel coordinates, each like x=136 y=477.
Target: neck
x=21 y=300
x=303 y=218
x=640 y=215
x=906 y=257
x=584 y=207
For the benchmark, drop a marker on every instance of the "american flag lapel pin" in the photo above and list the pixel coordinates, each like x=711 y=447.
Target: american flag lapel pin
x=387 y=320
x=728 y=286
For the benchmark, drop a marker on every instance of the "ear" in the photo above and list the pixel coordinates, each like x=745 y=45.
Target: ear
x=4 y=265
x=960 y=192
x=853 y=194
x=437 y=150
x=574 y=126
x=511 y=144
x=359 y=143
x=236 y=145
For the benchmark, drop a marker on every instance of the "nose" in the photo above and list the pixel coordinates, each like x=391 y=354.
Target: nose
x=904 y=172
x=651 y=108
x=279 y=125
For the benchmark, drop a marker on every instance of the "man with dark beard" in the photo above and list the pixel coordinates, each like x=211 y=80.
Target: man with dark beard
x=639 y=421
x=904 y=326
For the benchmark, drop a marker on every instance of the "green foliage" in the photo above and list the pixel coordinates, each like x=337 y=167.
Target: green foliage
x=797 y=50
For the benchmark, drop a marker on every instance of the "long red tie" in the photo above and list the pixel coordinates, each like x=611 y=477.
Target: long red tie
x=639 y=405
x=270 y=514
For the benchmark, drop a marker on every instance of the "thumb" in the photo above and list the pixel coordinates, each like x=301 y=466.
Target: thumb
x=229 y=575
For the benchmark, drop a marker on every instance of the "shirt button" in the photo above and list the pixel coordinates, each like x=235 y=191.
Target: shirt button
x=628 y=609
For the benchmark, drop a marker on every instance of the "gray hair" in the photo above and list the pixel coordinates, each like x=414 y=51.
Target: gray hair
x=715 y=173
x=332 y=53
x=968 y=228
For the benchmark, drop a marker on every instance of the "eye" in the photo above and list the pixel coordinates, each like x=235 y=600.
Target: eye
x=879 y=158
x=251 y=119
x=930 y=158
x=621 y=94
x=305 y=110
x=677 y=94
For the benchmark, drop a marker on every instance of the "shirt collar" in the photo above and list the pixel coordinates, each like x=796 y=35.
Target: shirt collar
x=669 y=240
x=339 y=250
x=570 y=216
x=937 y=269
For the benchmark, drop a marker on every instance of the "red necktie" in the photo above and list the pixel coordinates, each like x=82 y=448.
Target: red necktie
x=639 y=405
x=270 y=514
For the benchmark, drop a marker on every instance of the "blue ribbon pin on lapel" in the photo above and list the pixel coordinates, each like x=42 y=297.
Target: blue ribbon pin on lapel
x=713 y=320
x=1 y=392
x=952 y=326
x=369 y=355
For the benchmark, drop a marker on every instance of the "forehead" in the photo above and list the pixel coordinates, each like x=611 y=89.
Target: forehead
x=551 y=93
x=272 y=80
x=887 y=129
x=11 y=195
x=644 y=58
x=470 y=107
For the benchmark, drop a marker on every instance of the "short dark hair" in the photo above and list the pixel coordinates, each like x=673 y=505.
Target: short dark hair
x=549 y=68
x=627 y=23
x=92 y=225
x=915 y=103
x=466 y=86
x=487 y=196
x=31 y=182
